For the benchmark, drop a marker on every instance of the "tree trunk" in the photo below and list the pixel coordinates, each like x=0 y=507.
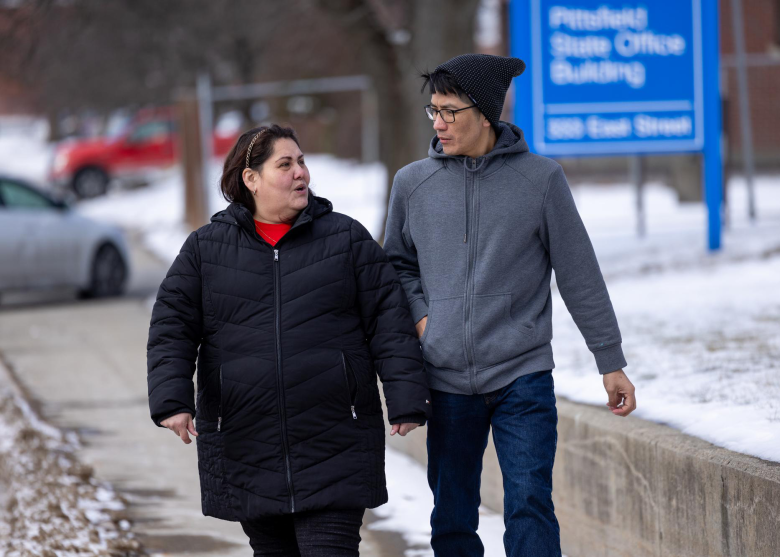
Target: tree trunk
x=439 y=30
x=55 y=134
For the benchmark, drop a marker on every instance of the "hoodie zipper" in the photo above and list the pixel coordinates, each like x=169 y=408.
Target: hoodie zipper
x=219 y=417
x=279 y=376
x=352 y=400
x=471 y=264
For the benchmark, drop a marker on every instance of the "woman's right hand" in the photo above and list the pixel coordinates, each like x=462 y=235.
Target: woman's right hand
x=181 y=425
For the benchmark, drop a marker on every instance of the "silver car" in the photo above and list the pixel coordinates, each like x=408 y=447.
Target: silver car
x=46 y=244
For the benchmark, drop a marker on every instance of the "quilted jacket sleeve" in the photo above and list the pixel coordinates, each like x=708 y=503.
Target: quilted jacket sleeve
x=390 y=330
x=174 y=336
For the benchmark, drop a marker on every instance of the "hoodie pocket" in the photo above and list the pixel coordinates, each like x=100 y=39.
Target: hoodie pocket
x=442 y=341
x=498 y=337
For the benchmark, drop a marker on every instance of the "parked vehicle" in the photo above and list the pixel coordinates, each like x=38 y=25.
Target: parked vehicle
x=148 y=143
x=46 y=244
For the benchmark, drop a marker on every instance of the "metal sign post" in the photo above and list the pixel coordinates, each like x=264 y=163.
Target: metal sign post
x=609 y=78
x=206 y=120
x=713 y=145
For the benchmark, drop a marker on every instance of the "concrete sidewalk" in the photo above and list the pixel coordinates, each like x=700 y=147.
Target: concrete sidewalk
x=83 y=365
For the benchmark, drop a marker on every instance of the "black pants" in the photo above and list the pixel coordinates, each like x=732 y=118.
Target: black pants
x=325 y=533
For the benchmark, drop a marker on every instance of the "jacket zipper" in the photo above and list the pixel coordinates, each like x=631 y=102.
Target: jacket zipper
x=352 y=401
x=219 y=417
x=279 y=377
x=471 y=264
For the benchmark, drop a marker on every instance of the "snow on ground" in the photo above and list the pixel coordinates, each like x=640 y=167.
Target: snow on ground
x=675 y=232
x=701 y=332
x=703 y=350
x=51 y=503
x=24 y=152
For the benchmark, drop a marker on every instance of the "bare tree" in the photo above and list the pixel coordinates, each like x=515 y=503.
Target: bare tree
x=101 y=55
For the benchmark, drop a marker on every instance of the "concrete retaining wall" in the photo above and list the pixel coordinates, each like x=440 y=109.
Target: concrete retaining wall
x=627 y=487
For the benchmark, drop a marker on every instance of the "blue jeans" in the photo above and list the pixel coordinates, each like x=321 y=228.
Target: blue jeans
x=524 y=419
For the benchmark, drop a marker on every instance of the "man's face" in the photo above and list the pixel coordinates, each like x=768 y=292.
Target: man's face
x=461 y=136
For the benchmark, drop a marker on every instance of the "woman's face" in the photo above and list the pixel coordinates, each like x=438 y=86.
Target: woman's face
x=281 y=185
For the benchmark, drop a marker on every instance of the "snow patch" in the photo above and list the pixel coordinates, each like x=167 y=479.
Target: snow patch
x=24 y=152
x=51 y=504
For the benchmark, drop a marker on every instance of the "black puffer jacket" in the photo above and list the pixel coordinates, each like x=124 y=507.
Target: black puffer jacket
x=288 y=341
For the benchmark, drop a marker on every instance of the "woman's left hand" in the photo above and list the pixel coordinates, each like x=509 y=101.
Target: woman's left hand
x=402 y=429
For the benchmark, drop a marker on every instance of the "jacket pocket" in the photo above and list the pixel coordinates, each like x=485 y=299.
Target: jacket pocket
x=219 y=410
x=351 y=383
x=498 y=337
x=442 y=341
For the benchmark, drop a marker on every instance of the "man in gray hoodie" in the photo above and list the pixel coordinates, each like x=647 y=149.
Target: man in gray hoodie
x=474 y=232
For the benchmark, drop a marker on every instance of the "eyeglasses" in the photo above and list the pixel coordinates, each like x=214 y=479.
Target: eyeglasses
x=447 y=114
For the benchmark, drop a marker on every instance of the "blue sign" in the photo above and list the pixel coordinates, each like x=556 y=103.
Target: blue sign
x=610 y=77
x=615 y=78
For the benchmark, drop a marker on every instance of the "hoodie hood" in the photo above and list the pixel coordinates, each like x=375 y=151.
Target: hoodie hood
x=510 y=141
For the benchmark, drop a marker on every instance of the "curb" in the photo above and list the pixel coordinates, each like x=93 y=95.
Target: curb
x=9 y=381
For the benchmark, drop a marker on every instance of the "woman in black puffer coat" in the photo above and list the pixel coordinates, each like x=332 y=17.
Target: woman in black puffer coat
x=289 y=329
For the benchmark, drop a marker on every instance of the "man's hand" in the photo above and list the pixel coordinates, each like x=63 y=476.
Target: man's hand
x=621 y=393
x=402 y=429
x=181 y=425
x=421 y=326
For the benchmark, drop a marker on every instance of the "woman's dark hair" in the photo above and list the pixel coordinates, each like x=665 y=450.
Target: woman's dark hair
x=444 y=83
x=232 y=183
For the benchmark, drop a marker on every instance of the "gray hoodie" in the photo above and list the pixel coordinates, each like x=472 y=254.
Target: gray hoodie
x=474 y=242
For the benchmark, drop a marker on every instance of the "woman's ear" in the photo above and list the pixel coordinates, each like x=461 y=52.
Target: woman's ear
x=248 y=177
x=251 y=179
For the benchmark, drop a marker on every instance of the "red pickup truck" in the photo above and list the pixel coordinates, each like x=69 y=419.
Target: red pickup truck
x=147 y=144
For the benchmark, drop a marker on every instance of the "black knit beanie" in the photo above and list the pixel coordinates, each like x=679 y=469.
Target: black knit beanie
x=485 y=78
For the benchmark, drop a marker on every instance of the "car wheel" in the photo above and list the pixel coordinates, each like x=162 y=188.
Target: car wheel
x=109 y=273
x=90 y=182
